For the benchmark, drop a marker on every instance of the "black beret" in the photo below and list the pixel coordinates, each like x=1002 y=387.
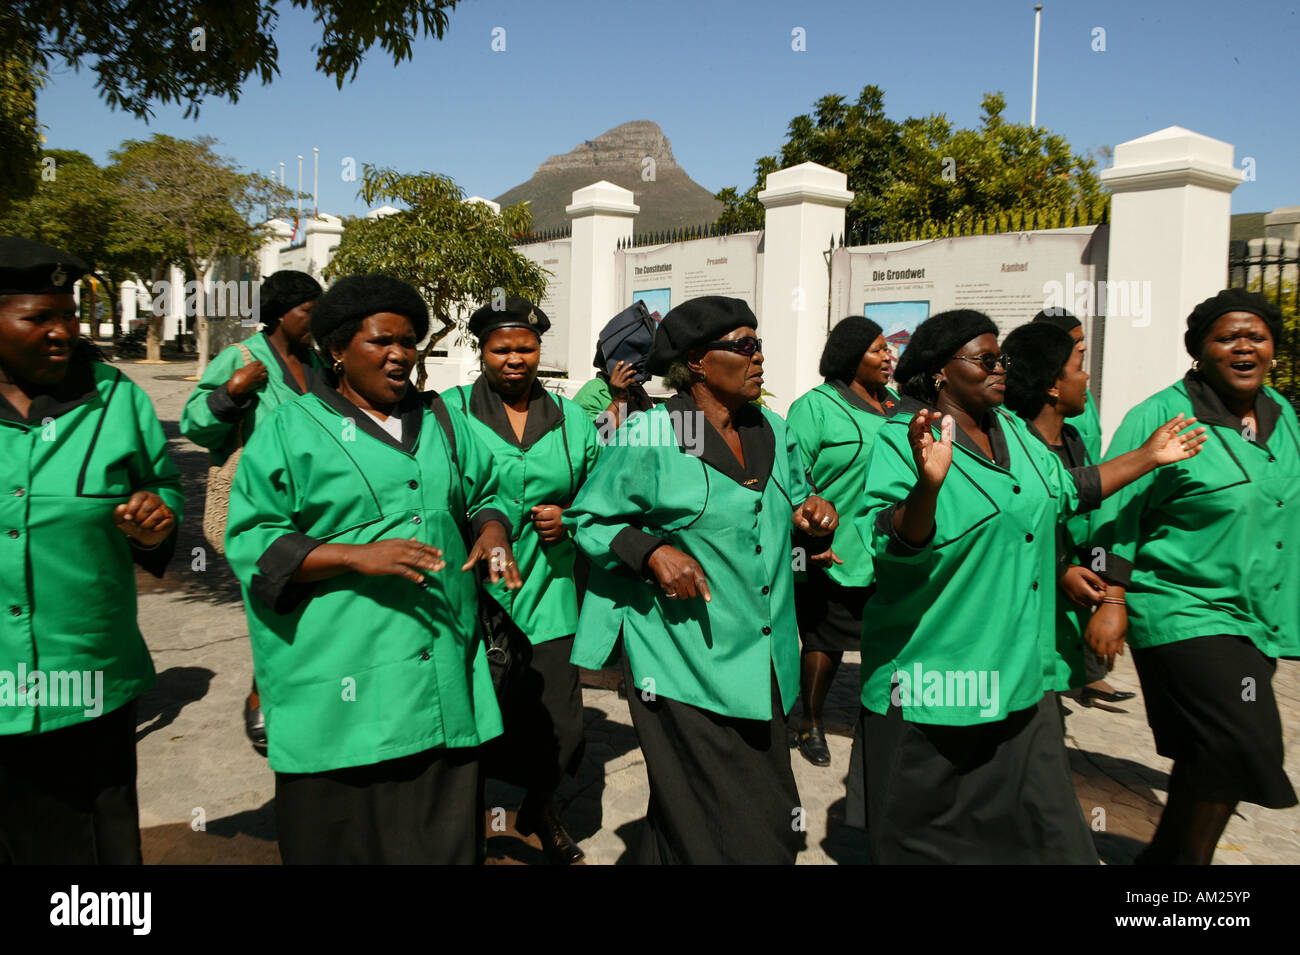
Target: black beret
x=693 y=323
x=1229 y=300
x=1058 y=317
x=938 y=338
x=283 y=291
x=845 y=346
x=1039 y=352
x=34 y=268
x=517 y=313
x=357 y=297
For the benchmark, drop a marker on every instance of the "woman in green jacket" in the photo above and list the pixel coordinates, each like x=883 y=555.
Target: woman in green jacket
x=88 y=491
x=345 y=530
x=238 y=392
x=835 y=425
x=1046 y=385
x=687 y=522
x=965 y=759
x=1208 y=550
x=544 y=447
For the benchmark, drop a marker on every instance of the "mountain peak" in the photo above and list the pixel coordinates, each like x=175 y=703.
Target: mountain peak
x=668 y=197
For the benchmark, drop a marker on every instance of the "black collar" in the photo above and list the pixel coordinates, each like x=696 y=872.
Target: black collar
x=307 y=366
x=77 y=388
x=544 y=413
x=997 y=439
x=757 y=441
x=410 y=408
x=1071 y=450
x=1209 y=408
x=857 y=401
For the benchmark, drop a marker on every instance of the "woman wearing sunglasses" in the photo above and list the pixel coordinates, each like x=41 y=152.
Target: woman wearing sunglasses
x=964 y=755
x=835 y=425
x=687 y=522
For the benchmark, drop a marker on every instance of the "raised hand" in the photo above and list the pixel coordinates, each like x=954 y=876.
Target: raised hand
x=251 y=377
x=621 y=379
x=1174 y=441
x=933 y=458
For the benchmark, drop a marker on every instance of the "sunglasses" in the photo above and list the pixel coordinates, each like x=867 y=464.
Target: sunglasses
x=989 y=360
x=741 y=346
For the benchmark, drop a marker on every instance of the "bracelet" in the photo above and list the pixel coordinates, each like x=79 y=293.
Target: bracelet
x=1115 y=600
x=138 y=546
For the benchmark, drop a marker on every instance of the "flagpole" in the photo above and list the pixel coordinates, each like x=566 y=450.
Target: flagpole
x=1033 y=103
x=315 y=162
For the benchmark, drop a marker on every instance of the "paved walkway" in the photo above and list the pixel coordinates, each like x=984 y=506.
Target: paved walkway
x=206 y=797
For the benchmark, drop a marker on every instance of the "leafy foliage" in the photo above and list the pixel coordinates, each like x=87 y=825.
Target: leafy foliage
x=452 y=251
x=923 y=172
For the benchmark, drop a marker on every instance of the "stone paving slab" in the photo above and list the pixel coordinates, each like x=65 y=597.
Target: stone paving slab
x=206 y=797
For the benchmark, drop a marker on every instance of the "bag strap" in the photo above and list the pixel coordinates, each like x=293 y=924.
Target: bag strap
x=439 y=409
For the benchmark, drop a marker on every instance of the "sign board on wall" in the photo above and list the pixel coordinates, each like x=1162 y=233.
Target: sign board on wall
x=664 y=276
x=1009 y=277
x=555 y=258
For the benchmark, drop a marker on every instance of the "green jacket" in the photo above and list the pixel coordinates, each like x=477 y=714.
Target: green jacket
x=835 y=429
x=1211 y=545
x=593 y=398
x=211 y=416
x=1088 y=425
x=968 y=620
x=355 y=670
x=67 y=585
x=735 y=521
x=558 y=451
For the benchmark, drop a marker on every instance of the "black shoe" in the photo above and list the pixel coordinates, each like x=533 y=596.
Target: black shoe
x=254 y=723
x=556 y=842
x=1088 y=695
x=812 y=746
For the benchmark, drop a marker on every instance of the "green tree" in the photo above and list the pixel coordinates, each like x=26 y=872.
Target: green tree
x=76 y=206
x=922 y=170
x=145 y=52
x=185 y=204
x=452 y=251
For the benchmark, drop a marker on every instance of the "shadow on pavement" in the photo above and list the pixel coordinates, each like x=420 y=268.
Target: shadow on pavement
x=175 y=689
x=246 y=838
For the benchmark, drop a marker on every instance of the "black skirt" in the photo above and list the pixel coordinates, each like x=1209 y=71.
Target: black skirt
x=541 y=708
x=998 y=792
x=1211 y=707
x=721 y=788
x=418 y=809
x=829 y=614
x=68 y=797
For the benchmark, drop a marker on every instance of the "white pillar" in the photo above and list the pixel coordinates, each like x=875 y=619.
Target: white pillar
x=804 y=208
x=129 y=300
x=175 y=304
x=601 y=214
x=1169 y=216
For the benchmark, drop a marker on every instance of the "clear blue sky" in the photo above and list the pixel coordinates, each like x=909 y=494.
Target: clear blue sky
x=722 y=81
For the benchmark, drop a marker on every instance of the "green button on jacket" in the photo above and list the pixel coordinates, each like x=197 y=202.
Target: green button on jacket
x=67 y=586
x=735 y=521
x=975 y=606
x=1212 y=543
x=559 y=448
x=835 y=429
x=354 y=670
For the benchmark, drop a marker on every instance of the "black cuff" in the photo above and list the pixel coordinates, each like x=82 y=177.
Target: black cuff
x=483 y=517
x=273 y=585
x=154 y=559
x=898 y=546
x=226 y=407
x=634 y=546
x=1117 y=571
x=1088 y=481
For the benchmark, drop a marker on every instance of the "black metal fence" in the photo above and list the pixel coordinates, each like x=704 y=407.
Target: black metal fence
x=687 y=234
x=1272 y=267
x=1028 y=220
x=545 y=235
